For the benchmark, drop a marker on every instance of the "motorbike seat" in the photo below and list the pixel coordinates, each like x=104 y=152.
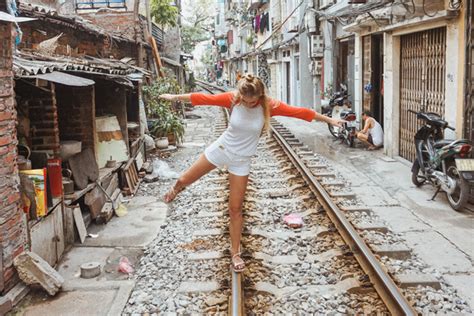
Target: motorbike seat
x=443 y=142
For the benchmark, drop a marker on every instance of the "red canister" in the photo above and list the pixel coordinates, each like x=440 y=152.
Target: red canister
x=55 y=177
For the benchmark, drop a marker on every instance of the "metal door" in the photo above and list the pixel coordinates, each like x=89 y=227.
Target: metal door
x=367 y=73
x=422 y=82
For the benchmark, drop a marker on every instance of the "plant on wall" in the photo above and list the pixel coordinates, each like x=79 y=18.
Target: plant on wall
x=163 y=119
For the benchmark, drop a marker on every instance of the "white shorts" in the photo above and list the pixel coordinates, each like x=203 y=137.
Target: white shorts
x=220 y=157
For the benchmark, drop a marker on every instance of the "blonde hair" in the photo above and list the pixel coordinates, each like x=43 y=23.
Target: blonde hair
x=251 y=86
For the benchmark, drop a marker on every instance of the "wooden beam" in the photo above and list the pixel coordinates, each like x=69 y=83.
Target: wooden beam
x=156 y=54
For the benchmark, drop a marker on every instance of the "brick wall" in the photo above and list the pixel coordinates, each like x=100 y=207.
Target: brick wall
x=80 y=43
x=12 y=225
x=40 y=105
x=76 y=112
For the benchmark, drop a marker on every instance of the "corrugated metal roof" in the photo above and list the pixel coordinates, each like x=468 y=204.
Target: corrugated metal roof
x=31 y=64
x=66 y=79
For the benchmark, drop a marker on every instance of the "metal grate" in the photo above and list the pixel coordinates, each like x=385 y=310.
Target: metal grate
x=422 y=82
x=367 y=73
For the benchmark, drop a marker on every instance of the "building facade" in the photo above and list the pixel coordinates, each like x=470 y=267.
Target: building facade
x=392 y=56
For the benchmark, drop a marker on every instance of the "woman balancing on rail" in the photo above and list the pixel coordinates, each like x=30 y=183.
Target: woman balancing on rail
x=251 y=112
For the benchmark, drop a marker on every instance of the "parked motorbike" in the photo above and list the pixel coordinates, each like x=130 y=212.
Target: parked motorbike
x=442 y=163
x=339 y=107
x=337 y=103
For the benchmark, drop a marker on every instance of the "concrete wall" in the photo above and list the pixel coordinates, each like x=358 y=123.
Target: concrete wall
x=13 y=234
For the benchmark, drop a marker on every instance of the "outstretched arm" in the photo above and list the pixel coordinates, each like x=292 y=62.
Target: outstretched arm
x=220 y=99
x=327 y=119
x=176 y=97
x=280 y=108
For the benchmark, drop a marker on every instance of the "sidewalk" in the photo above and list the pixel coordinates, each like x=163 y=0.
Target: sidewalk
x=440 y=236
x=108 y=293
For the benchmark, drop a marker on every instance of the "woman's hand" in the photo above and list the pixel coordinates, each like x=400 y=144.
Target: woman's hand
x=168 y=97
x=336 y=122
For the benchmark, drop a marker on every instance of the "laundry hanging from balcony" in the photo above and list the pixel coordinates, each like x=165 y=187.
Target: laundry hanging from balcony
x=261 y=23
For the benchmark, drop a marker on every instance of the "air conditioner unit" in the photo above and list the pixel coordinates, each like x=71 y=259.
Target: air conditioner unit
x=316 y=67
x=310 y=21
x=323 y=4
x=293 y=24
x=316 y=46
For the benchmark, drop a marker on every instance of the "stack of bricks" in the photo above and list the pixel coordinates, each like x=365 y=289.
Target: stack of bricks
x=12 y=223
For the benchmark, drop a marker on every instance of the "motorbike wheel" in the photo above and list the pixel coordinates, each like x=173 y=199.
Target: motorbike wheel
x=333 y=131
x=459 y=198
x=416 y=178
x=349 y=138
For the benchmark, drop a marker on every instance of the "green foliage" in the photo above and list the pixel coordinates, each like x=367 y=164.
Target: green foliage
x=190 y=36
x=163 y=13
x=165 y=119
x=198 y=23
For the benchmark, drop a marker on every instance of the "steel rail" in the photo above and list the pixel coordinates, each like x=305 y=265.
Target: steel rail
x=236 y=299
x=396 y=303
x=236 y=303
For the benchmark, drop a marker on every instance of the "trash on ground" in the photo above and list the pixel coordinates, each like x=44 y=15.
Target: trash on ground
x=125 y=266
x=163 y=170
x=121 y=210
x=293 y=220
x=92 y=235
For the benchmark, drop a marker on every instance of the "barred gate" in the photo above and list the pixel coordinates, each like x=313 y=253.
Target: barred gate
x=367 y=72
x=469 y=81
x=422 y=82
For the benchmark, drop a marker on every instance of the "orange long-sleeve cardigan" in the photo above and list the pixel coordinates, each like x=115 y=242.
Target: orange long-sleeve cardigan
x=279 y=108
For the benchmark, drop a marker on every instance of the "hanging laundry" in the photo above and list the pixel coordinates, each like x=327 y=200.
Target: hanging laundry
x=257 y=23
x=268 y=21
x=263 y=22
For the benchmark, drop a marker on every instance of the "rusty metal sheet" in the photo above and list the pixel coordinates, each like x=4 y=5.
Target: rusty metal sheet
x=66 y=79
x=10 y=18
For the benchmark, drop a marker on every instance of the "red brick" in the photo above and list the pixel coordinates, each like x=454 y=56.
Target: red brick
x=5 y=140
x=5 y=116
x=13 y=198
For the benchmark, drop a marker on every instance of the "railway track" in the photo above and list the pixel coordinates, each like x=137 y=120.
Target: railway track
x=289 y=175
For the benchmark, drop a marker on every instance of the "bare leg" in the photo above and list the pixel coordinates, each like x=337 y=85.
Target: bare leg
x=364 y=139
x=238 y=186
x=198 y=169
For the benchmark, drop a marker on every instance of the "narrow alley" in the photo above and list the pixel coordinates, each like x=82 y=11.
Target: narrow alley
x=257 y=157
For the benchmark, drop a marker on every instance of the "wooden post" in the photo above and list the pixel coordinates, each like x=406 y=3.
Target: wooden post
x=156 y=54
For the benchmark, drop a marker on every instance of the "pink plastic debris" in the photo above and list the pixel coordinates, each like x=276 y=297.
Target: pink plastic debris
x=293 y=220
x=125 y=266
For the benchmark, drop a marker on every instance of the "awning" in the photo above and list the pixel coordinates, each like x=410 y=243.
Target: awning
x=10 y=18
x=66 y=79
x=171 y=62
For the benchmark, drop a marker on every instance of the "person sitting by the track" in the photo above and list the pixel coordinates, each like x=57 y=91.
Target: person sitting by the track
x=372 y=133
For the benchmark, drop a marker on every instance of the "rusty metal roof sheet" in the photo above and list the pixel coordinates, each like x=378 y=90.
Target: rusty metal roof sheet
x=31 y=64
x=66 y=79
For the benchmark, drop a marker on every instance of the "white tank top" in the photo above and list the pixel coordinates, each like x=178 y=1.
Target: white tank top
x=242 y=135
x=377 y=133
